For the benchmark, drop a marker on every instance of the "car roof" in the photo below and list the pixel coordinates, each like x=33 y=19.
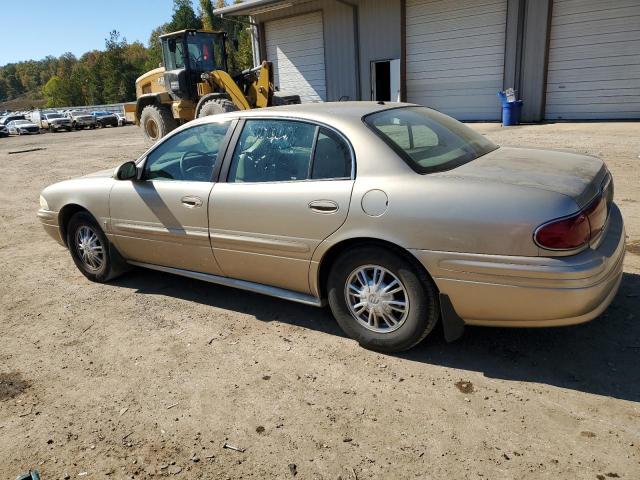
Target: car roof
x=326 y=112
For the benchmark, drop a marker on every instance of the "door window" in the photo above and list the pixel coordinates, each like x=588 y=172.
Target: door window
x=190 y=155
x=286 y=150
x=332 y=156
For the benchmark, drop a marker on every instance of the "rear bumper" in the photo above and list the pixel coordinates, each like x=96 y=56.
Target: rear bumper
x=507 y=291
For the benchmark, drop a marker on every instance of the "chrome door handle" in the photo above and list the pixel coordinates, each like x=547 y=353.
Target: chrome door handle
x=323 y=206
x=191 y=202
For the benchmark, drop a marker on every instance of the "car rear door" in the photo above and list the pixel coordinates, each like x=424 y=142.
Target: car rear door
x=285 y=187
x=162 y=218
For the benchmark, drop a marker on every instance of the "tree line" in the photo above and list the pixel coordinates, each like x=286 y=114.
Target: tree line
x=108 y=76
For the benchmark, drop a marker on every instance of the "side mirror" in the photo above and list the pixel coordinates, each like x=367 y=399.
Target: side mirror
x=127 y=171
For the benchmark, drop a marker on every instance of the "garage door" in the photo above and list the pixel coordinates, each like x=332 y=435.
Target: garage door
x=455 y=56
x=594 y=60
x=296 y=47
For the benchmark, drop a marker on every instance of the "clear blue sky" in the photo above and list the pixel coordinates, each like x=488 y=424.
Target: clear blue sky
x=33 y=29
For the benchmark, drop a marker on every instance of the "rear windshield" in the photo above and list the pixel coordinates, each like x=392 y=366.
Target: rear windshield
x=427 y=140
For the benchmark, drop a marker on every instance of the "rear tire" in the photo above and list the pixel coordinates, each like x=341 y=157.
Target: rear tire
x=156 y=122
x=91 y=251
x=216 y=106
x=403 y=298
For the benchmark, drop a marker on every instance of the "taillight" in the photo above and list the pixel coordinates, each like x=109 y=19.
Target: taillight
x=596 y=212
x=565 y=234
x=575 y=231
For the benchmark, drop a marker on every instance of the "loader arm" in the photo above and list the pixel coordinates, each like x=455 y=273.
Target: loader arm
x=224 y=81
x=262 y=89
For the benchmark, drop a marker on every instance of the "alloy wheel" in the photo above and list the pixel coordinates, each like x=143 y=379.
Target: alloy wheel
x=90 y=249
x=376 y=298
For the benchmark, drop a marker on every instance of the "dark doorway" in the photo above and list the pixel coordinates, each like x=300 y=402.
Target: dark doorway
x=381 y=81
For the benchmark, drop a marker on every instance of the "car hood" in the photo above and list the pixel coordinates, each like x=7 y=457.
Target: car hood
x=107 y=173
x=577 y=176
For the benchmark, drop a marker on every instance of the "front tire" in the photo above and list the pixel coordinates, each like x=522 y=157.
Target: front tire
x=156 y=122
x=216 y=106
x=381 y=299
x=91 y=251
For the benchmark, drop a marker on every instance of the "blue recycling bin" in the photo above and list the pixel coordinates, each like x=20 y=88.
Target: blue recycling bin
x=510 y=111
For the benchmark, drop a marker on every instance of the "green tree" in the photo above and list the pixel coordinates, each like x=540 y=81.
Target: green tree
x=4 y=90
x=244 y=55
x=154 y=52
x=10 y=76
x=53 y=92
x=117 y=71
x=206 y=14
x=183 y=16
x=209 y=20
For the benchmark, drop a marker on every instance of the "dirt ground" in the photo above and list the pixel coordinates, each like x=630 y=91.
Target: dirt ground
x=150 y=375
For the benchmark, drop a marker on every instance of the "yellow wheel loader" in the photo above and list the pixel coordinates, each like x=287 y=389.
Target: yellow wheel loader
x=194 y=83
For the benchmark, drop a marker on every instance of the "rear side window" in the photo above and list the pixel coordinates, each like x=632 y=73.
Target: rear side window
x=332 y=156
x=288 y=150
x=428 y=140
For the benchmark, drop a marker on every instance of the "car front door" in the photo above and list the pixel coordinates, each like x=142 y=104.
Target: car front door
x=162 y=218
x=285 y=187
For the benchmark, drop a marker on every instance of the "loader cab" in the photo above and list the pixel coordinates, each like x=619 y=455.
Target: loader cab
x=187 y=55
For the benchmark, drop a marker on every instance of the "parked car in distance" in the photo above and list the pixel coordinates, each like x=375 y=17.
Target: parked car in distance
x=81 y=120
x=105 y=119
x=4 y=131
x=55 y=122
x=122 y=119
x=22 y=127
x=396 y=215
x=5 y=120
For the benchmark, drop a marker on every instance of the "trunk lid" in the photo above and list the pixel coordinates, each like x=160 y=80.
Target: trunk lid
x=577 y=176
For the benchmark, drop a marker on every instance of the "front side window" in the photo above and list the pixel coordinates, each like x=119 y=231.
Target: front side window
x=427 y=140
x=190 y=155
x=287 y=150
x=173 y=53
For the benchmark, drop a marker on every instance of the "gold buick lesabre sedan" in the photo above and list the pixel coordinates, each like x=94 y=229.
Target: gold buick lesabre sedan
x=395 y=215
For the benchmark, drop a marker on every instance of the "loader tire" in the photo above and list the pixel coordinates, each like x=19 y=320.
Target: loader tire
x=156 y=122
x=277 y=101
x=216 y=106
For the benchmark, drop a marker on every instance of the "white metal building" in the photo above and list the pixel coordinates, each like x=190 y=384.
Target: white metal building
x=569 y=59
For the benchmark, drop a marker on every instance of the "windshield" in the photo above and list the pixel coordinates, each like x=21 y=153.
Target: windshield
x=51 y=116
x=204 y=52
x=427 y=140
